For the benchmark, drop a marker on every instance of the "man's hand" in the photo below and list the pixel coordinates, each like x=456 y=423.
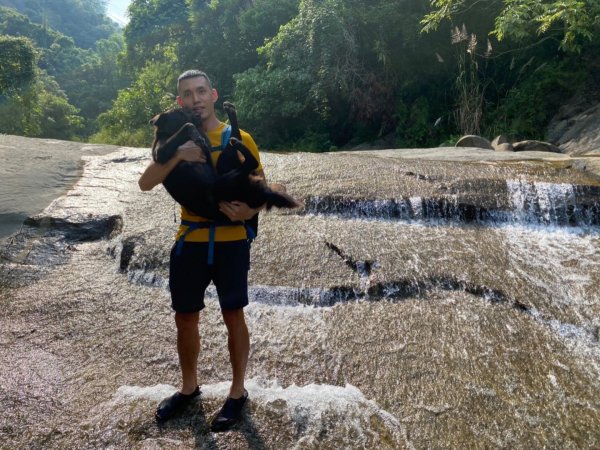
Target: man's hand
x=190 y=152
x=238 y=210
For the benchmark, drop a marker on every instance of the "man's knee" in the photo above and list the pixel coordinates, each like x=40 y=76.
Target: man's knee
x=233 y=317
x=185 y=321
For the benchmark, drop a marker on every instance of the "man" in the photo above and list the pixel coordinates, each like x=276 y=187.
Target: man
x=191 y=271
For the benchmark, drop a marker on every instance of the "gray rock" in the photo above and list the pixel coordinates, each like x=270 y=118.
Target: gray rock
x=472 y=140
x=535 y=146
x=500 y=139
x=429 y=298
x=577 y=131
x=504 y=147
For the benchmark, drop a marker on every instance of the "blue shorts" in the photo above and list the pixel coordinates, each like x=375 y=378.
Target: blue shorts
x=190 y=275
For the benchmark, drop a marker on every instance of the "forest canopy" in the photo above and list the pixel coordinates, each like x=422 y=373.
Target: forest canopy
x=313 y=75
x=57 y=88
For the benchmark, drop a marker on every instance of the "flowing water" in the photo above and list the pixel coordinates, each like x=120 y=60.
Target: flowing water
x=411 y=303
x=35 y=174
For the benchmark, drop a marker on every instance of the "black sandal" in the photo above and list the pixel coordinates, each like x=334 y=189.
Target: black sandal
x=173 y=404
x=230 y=413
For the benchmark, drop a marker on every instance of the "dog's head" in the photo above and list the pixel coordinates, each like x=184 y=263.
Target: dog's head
x=168 y=122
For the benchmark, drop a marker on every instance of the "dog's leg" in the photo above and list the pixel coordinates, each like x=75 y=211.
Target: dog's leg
x=187 y=132
x=250 y=163
x=232 y=115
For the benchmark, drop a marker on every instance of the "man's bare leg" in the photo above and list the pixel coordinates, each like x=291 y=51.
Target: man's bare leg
x=188 y=348
x=238 y=343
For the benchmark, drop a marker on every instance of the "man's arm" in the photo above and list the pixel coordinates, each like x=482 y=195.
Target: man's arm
x=156 y=173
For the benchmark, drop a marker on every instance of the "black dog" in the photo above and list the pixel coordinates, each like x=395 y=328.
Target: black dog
x=198 y=186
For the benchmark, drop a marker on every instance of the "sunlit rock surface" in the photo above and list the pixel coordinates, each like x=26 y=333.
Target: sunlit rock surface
x=438 y=298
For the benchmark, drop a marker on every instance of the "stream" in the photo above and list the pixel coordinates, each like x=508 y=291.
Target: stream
x=415 y=301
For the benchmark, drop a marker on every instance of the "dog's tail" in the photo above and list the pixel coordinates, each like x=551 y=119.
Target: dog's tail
x=281 y=200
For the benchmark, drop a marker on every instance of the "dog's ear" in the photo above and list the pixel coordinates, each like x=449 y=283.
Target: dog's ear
x=157 y=120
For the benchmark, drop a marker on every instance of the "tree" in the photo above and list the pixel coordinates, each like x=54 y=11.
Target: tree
x=155 y=27
x=126 y=123
x=17 y=65
x=84 y=21
x=40 y=109
x=228 y=33
x=571 y=22
x=342 y=59
x=93 y=85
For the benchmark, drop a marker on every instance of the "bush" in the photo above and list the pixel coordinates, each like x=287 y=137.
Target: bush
x=126 y=123
x=529 y=106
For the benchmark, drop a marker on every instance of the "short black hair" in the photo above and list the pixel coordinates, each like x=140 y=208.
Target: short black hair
x=192 y=74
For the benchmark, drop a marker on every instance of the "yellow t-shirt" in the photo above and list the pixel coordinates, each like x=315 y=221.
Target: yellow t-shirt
x=223 y=233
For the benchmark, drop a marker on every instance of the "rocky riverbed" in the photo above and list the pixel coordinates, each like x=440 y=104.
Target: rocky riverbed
x=422 y=298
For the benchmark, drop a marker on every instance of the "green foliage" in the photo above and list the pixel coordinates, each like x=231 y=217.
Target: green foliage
x=90 y=78
x=305 y=74
x=83 y=20
x=40 y=110
x=530 y=105
x=126 y=123
x=155 y=28
x=58 y=53
x=93 y=85
x=14 y=23
x=338 y=67
x=572 y=22
x=228 y=33
x=31 y=103
x=275 y=117
x=314 y=68
x=17 y=65
x=414 y=127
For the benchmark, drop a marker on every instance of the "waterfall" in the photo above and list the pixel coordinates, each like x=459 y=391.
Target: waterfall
x=550 y=204
x=522 y=202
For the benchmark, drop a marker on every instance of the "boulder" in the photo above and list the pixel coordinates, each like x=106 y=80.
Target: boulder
x=500 y=139
x=472 y=140
x=577 y=130
x=504 y=147
x=535 y=146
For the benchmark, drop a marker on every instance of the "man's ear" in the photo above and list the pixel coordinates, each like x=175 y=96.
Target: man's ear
x=179 y=101
x=214 y=94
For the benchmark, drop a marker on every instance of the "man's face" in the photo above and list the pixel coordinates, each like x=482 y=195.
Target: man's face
x=197 y=96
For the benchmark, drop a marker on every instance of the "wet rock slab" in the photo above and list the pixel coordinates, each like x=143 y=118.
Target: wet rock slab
x=366 y=332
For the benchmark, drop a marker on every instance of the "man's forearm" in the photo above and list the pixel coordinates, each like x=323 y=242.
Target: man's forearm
x=156 y=173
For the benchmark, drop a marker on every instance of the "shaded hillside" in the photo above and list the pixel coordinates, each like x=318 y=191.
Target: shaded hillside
x=83 y=20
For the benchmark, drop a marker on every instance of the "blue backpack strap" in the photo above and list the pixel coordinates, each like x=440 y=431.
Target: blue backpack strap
x=250 y=234
x=212 y=227
x=211 y=244
x=225 y=136
x=191 y=226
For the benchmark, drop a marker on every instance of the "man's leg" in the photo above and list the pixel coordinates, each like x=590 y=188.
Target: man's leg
x=238 y=342
x=188 y=348
x=231 y=281
x=188 y=279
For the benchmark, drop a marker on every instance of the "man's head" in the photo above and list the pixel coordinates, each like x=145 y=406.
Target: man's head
x=195 y=93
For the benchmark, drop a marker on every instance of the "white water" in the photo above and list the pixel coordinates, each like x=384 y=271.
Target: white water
x=311 y=408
